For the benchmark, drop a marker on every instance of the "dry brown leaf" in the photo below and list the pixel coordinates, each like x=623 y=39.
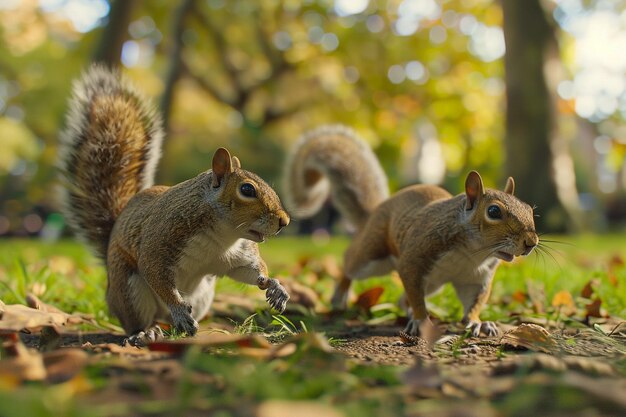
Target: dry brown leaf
x=588 y=289
x=208 y=340
x=369 y=298
x=115 y=349
x=63 y=364
x=331 y=267
x=23 y=364
x=300 y=294
x=278 y=351
x=33 y=301
x=16 y=317
x=282 y=408
x=593 y=309
x=529 y=336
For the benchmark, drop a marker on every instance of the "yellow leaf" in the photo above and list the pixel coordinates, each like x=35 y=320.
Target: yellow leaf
x=563 y=299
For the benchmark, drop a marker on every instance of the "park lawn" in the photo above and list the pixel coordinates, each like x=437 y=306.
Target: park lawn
x=73 y=280
x=231 y=382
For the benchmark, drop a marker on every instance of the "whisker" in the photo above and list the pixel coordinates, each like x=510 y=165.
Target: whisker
x=544 y=250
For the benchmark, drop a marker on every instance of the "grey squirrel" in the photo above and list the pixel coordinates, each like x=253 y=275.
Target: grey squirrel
x=422 y=231
x=163 y=246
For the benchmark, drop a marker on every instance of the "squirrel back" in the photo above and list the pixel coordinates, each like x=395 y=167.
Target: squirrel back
x=333 y=161
x=108 y=152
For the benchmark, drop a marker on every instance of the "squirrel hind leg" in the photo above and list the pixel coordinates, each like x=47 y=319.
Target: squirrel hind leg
x=129 y=297
x=339 y=300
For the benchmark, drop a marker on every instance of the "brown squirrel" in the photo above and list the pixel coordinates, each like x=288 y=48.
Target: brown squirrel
x=163 y=246
x=423 y=232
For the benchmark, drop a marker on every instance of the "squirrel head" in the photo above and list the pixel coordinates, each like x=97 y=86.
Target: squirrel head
x=255 y=209
x=506 y=224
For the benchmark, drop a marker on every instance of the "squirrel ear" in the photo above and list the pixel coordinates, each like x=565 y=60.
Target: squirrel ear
x=236 y=162
x=221 y=166
x=473 y=189
x=509 y=188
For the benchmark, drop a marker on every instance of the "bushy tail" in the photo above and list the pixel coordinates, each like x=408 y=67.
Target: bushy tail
x=334 y=161
x=108 y=152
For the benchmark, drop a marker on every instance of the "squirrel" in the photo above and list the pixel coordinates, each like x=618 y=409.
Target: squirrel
x=163 y=246
x=424 y=233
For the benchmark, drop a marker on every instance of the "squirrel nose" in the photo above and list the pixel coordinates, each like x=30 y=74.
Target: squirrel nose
x=283 y=220
x=529 y=243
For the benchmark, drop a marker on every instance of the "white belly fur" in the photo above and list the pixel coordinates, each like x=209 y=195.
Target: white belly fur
x=458 y=267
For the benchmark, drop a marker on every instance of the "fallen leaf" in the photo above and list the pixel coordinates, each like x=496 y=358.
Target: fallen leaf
x=369 y=298
x=23 y=364
x=33 y=301
x=588 y=289
x=300 y=294
x=63 y=364
x=282 y=408
x=593 y=309
x=519 y=296
x=16 y=317
x=278 y=351
x=564 y=301
x=114 y=348
x=529 y=336
x=209 y=340
x=331 y=267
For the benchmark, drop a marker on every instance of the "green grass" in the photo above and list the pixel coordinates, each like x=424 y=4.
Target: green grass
x=65 y=275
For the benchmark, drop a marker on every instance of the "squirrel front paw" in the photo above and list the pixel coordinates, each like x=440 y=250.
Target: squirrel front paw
x=413 y=326
x=275 y=294
x=489 y=328
x=144 y=337
x=182 y=320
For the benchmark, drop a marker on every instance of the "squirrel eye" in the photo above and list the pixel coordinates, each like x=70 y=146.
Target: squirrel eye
x=494 y=212
x=247 y=190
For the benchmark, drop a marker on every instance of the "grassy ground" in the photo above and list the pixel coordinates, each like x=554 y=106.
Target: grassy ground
x=254 y=378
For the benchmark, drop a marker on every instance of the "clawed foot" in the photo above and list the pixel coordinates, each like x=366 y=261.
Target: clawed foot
x=414 y=326
x=182 y=320
x=275 y=294
x=488 y=328
x=144 y=337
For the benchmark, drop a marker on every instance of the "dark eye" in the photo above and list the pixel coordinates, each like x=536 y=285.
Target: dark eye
x=247 y=190
x=494 y=212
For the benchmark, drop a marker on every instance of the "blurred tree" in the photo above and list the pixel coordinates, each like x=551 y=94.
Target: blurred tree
x=421 y=80
x=115 y=33
x=532 y=142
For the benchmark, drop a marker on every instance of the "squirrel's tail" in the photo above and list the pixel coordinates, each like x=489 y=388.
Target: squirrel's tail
x=334 y=161
x=108 y=152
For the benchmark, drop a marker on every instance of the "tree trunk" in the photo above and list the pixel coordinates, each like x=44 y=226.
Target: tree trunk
x=175 y=69
x=115 y=33
x=536 y=158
